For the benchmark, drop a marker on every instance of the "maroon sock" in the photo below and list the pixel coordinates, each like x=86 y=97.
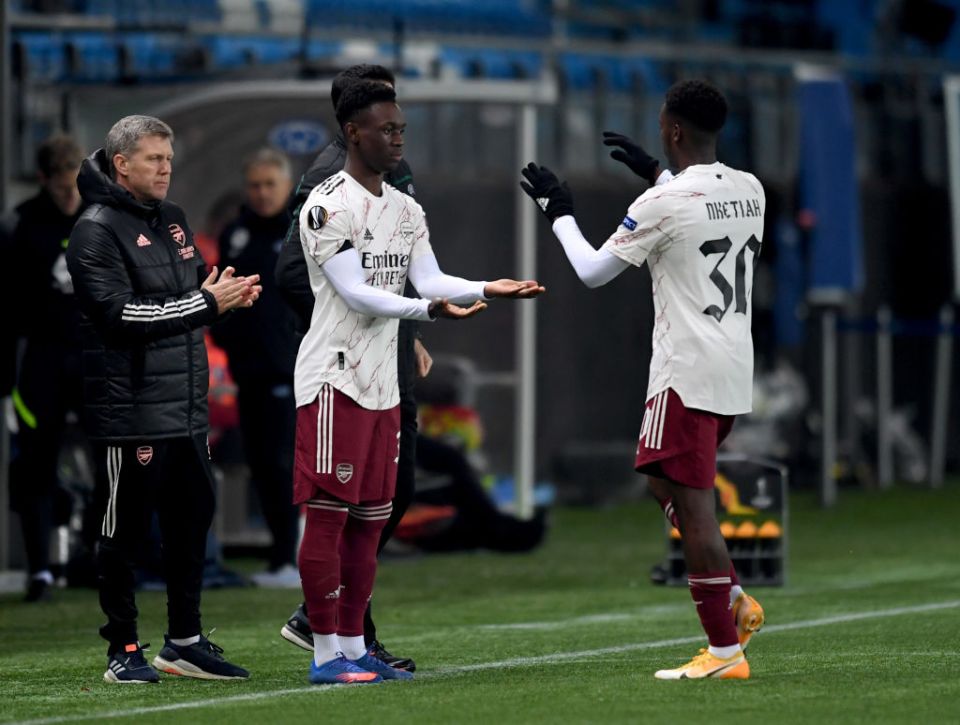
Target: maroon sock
x=711 y=594
x=319 y=562
x=734 y=579
x=358 y=563
x=670 y=512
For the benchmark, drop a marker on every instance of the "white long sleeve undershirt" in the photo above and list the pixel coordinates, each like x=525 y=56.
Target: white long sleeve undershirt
x=345 y=273
x=432 y=283
x=594 y=267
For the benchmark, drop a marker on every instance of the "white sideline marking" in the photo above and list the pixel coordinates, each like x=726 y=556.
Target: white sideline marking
x=572 y=622
x=771 y=628
x=516 y=662
x=890 y=576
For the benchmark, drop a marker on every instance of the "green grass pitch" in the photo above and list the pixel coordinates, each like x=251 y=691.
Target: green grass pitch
x=867 y=630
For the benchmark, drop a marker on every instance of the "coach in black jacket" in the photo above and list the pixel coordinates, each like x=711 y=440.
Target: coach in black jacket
x=139 y=281
x=293 y=282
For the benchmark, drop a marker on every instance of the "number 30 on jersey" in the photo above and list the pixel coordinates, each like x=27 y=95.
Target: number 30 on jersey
x=739 y=288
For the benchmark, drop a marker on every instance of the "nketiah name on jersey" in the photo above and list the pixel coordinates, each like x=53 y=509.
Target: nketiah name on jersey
x=700 y=233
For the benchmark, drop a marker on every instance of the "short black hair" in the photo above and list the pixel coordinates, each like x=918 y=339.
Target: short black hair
x=57 y=154
x=699 y=103
x=363 y=72
x=361 y=95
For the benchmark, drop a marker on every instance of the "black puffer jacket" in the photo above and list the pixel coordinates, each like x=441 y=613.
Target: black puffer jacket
x=259 y=341
x=137 y=274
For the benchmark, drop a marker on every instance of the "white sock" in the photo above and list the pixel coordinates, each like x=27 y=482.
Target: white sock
x=353 y=648
x=724 y=653
x=735 y=591
x=325 y=647
x=186 y=642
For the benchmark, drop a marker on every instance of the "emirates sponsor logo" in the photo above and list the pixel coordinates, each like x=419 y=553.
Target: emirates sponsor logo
x=344 y=472
x=179 y=236
x=145 y=454
x=142 y=241
x=187 y=252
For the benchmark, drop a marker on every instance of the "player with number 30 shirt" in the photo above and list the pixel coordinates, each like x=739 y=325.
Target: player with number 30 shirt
x=700 y=232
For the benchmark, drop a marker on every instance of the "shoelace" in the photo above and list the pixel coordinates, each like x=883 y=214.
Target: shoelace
x=136 y=658
x=701 y=658
x=348 y=664
x=214 y=649
x=380 y=652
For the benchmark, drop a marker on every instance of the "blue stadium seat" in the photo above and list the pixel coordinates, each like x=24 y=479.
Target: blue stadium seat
x=152 y=55
x=206 y=10
x=578 y=71
x=322 y=49
x=276 y=50
x=128 y=14
x=492 y=63
x=227 y=52
x=582 y=72
x=460 y=60
x=264 y=16
x=649 y=73
x=41 y=56
x=510 y=64
x=97 y=7
x=92 y=56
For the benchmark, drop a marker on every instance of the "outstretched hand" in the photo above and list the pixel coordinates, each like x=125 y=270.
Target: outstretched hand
x=633 y=155
x=543 y=186
x=513 y=289
x=447 y=309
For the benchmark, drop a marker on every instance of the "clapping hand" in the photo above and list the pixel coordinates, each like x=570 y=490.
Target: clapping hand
x=232 y=292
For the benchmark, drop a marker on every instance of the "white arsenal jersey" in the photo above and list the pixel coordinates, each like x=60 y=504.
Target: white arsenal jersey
x=700 y=233
x=355 y=353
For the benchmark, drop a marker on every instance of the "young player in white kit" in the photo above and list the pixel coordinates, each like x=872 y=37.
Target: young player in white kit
x=700 y=232
x=361 y=239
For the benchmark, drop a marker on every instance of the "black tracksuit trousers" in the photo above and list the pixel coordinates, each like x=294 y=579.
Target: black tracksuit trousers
x=406 y=485
x=173 y=478
x=48 y=389
x=268 y=420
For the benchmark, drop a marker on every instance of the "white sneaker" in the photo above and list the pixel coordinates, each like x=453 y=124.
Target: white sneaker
x=286 y=577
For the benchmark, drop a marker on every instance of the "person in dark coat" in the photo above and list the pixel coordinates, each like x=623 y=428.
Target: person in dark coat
x=261 y=347
x=145 y=297
x=48 y=375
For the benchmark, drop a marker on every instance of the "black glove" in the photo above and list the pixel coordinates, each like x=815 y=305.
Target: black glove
x=553 y=198
x=639 y=161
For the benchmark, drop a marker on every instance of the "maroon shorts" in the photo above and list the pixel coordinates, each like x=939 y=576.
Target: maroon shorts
x=344 y=450
x=680 y=443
